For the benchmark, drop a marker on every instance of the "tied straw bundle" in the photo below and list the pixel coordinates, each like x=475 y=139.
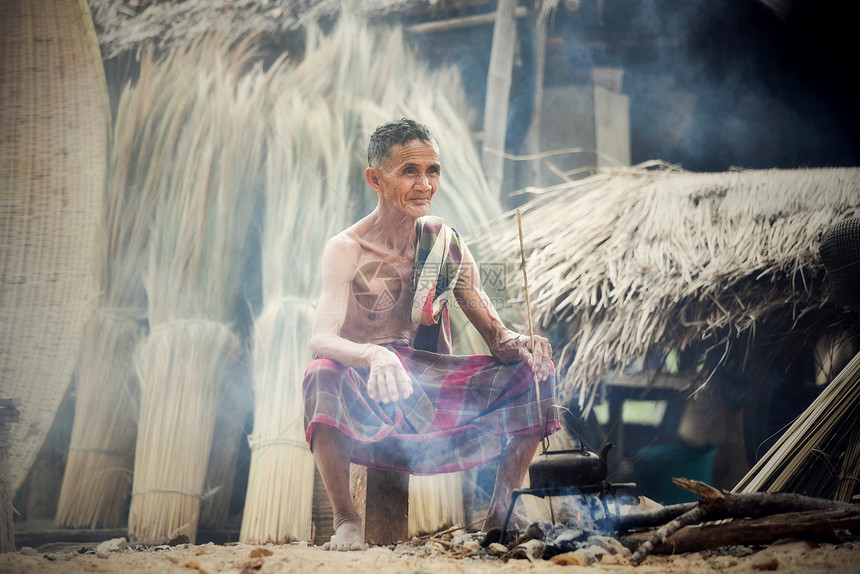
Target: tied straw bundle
x=307 y=200
x=305 y=205
x=192 y=280
x=101 y=455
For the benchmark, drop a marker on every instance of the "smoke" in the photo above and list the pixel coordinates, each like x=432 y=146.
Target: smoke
x=712 y=84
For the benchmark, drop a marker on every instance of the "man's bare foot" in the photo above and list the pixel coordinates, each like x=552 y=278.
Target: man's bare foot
x=347 y=537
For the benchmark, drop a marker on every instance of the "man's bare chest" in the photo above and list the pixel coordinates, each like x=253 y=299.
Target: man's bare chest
x=381 y=292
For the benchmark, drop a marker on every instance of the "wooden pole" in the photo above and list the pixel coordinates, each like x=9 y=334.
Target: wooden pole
x=498 y=92
x=534 y=137
x=463 y=22
x=528 y=307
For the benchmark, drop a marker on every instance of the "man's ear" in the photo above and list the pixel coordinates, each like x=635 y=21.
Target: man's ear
x=372 y=176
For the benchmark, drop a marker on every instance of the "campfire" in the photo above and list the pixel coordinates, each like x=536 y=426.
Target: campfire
x=600 y=527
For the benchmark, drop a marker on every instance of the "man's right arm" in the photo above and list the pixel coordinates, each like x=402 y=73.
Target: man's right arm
x=388 y=380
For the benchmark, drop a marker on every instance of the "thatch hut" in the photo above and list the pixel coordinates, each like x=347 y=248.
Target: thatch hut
x=635 y=260
x=653 y=283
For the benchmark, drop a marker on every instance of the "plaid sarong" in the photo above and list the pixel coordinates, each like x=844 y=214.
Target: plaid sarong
x=458 y=416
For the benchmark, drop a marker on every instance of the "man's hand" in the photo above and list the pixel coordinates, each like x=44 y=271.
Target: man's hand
x=515 y=347
x=388 y=380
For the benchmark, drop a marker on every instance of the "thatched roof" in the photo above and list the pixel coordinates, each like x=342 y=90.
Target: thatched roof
x=126 y=25
x=633 y=259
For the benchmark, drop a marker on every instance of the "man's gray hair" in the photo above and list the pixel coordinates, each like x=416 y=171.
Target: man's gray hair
x=393 y=133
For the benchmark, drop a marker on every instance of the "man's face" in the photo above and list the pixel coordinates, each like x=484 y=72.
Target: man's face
x=410 y=178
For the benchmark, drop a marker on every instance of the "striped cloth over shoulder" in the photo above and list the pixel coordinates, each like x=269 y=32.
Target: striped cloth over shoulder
x=438 y=258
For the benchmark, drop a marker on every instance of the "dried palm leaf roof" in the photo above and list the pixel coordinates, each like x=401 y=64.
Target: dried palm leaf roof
x=635 y=259
x=125 y=25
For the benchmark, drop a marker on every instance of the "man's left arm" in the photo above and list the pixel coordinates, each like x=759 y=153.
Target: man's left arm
x=505 y=345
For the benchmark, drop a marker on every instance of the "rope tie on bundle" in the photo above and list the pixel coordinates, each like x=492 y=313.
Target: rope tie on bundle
x=255 y=443
x=100 y=450
x=199 y=495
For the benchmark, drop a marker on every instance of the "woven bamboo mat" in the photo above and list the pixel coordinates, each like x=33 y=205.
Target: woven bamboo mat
x=52 y=168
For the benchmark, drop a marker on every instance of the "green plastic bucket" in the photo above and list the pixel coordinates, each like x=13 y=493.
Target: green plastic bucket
x=657 y=465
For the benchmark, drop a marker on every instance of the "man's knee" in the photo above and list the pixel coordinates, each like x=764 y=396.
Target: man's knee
x=326 y=436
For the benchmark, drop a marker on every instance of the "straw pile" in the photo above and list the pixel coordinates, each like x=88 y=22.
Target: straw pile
x=98 y=472
x=303 y=209
x=330 y=103
x=819 y=454
x=192 y=279
x=53 y=157
x=434 y=502
x=633 y=259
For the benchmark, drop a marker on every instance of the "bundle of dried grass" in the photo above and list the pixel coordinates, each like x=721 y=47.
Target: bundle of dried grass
x=819 y=454
x=53 y=157
x=434 y=502
x=98 y=471
x=305 y=205
x=636 y=258
x=192 y=278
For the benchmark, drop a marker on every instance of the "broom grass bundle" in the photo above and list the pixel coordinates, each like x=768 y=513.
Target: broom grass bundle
x=308 y=199
x=818 y=454
x=632 y=259
x=98 y=471
x=192 y=279
x=305 y=204
x=435 y=501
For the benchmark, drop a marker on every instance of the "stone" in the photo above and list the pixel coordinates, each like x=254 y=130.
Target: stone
x=497 y=549
x=577 y=558
x=28 y=551
x=260 y=552
x=764 y=562
x=112 y=545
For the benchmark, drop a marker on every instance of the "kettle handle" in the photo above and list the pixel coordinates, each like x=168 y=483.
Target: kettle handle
x=544 y=441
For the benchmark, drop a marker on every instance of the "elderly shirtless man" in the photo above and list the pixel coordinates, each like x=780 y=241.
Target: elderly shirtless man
x=374 y=394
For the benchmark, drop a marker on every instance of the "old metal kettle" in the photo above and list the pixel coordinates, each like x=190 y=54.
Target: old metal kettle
x=568 y=468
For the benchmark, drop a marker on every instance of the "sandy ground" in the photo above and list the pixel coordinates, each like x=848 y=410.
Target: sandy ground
x=419 y=558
